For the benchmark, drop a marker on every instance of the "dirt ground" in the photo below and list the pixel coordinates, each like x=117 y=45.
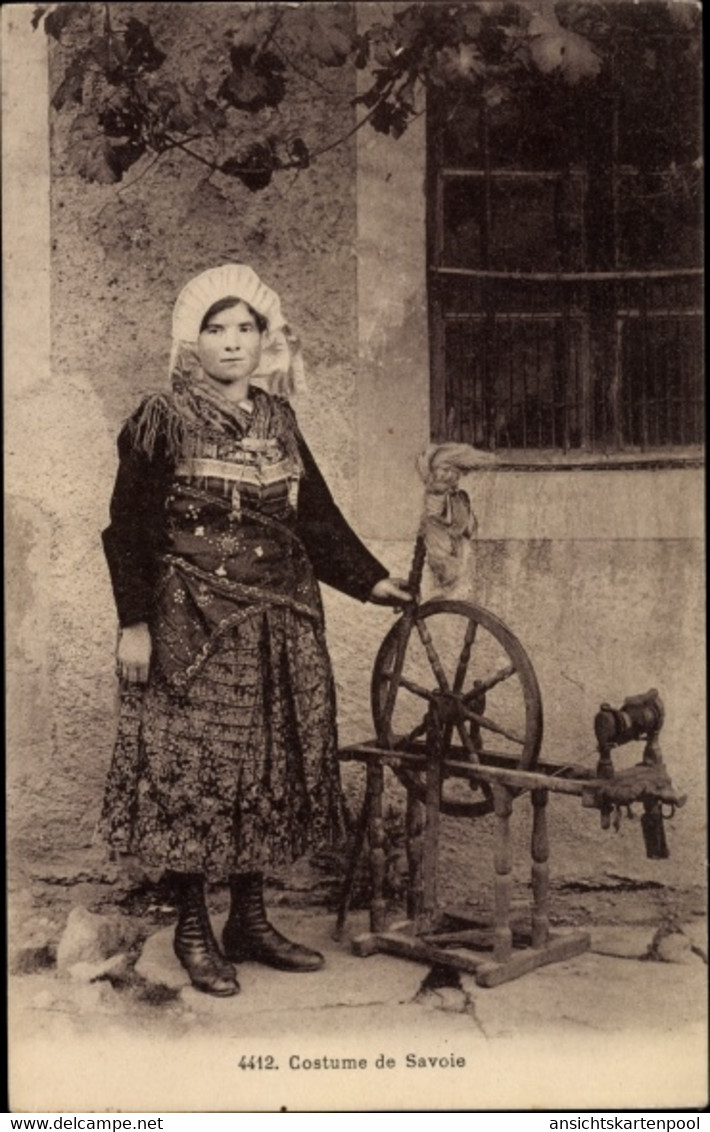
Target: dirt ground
x=104 y=1019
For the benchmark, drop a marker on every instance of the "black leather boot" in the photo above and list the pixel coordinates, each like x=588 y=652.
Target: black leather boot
x=249 y=935
x=195 y=944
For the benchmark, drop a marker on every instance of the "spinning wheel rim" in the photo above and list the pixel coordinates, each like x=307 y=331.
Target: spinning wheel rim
x=399 y=637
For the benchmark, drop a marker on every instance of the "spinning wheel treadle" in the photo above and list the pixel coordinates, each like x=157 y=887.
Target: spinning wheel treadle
x=454 y=667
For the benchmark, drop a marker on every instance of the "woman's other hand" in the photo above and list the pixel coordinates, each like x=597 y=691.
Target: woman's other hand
x=133 y=653
x=390 y=591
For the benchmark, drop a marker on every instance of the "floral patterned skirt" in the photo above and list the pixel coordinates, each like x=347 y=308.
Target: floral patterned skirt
x=239 y=771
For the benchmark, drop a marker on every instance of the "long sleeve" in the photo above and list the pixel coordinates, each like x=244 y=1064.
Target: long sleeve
x=338 y=556
x=133 y=539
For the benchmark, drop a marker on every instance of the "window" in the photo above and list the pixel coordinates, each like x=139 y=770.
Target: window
x=564 y=255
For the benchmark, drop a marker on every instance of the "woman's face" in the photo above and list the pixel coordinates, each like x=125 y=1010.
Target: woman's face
x=229 y=347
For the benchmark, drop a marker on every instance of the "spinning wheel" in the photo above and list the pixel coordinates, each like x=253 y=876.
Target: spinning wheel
x=453 y=673
x=458 y=718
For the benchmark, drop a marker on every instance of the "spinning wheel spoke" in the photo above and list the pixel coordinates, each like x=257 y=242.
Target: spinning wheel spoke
x=417 y=733
x=484 y=787
x=486 y=685
x=416 y=689
x=483 y=721
x=468 y=743
x=437 y=666
x=459 y=678
x=462 y=666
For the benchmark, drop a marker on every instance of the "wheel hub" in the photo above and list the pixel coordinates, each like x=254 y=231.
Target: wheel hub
x=446 y=707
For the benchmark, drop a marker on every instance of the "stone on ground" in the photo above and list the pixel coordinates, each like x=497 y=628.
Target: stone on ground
x=115 y=967
x=673 y=947
x=88 y=938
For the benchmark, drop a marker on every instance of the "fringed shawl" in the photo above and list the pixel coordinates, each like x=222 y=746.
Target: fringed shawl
x=190 y=417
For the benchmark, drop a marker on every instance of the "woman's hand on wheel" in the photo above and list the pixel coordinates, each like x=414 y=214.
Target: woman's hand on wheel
x=390 y=591
x=133 y=653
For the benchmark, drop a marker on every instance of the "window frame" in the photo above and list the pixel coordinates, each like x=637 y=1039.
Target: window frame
x=592 y=451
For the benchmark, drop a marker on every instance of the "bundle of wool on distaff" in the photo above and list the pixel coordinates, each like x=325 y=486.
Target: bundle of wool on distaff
x=448 y=522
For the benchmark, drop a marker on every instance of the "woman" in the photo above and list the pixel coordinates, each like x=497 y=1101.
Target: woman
x=221 y=525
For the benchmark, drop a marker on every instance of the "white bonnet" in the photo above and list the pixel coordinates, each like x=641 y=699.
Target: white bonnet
x=281 y=366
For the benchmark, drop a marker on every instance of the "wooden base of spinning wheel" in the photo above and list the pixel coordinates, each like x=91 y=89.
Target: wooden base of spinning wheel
x=472 y=950
x=494 y=952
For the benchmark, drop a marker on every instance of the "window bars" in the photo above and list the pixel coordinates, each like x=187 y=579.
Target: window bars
x=604 y=361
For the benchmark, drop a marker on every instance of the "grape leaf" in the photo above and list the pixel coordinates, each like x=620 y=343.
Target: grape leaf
x=174 y=104
x=381 y=45
x=389 y=119
x=546 y=44
x=461 y=63
x=406 y=94
x=580 y=59
x=119 y=158
x=61 y=15
x=71 y=88
x=121 y=118
x=368 y=98
x=556 y=48
x=141 y=52
x=253 y=82
x=89 y=151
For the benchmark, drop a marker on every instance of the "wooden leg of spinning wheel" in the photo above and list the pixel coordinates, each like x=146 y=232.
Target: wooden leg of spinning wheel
x=431 y=829
x=375 y=789
x=540 y=850
x=415 y=854
x=503 y=935
x=363 y=822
